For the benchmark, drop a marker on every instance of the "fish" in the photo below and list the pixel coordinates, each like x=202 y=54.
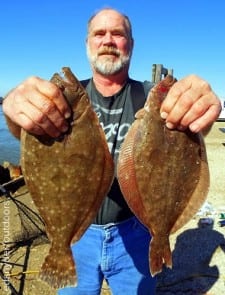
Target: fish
x=67 y=178
x=163 y=174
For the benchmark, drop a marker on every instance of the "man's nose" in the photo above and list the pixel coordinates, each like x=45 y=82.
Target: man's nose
x=108 y=38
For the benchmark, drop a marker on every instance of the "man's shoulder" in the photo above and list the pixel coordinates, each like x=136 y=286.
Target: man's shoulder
x=85 y=82
x=139 y=92
x=139 y=86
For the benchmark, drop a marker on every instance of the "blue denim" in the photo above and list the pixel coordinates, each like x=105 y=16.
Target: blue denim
x=117 y=253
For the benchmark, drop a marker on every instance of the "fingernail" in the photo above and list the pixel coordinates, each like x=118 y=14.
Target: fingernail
x=181 y=127
x=64 y=128
x=67 y=115
x=163 y=115
x=194 y=128
x=169 y=125
x=57 y=134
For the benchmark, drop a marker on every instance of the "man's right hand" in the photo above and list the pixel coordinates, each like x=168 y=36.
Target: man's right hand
x=38 y=106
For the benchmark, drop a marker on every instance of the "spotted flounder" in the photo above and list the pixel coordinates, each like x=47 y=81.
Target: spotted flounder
x=163 y=174
x=67 y=178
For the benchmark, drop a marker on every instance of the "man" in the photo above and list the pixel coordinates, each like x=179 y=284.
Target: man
x=115 y=247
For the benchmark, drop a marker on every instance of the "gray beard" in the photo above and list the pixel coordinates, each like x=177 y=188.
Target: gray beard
x=108 y=67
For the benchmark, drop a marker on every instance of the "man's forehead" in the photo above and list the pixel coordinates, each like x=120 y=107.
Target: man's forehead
x=107 y=18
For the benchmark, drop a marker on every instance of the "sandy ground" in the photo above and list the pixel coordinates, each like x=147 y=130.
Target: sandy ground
x=198 y=248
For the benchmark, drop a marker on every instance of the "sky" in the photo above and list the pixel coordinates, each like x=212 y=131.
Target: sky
x=38 y=38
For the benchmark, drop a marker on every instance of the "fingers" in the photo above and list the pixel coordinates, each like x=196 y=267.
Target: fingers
x=206 y=119
x=39 y=107
x=54 y=93
x=43 y=120
x=190 y=103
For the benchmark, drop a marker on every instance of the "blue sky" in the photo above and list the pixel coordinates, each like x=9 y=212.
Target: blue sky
x=39 y=37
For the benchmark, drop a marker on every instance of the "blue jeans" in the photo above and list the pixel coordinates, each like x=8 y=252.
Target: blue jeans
x=117 y=253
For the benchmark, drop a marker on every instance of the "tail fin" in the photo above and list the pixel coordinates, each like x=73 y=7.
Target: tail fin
x=58 y=269
x=159 y=253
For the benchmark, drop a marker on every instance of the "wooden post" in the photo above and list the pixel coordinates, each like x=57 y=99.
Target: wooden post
x=159 y=72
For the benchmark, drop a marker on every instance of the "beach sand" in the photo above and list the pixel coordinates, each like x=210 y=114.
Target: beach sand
x=198 y=247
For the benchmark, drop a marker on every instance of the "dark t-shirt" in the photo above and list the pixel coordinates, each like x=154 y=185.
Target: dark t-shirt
x=116 y=114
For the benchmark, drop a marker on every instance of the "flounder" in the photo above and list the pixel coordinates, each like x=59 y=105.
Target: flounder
x=67 y=178
x=163 y=174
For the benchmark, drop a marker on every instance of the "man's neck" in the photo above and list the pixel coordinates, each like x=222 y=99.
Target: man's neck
x=109 y=85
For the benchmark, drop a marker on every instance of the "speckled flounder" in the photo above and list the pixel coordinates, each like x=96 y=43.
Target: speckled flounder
x=67 y=179
x=163 y=174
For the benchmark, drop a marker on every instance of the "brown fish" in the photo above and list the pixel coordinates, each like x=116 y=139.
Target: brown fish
x=163 y=174
x=67 y=178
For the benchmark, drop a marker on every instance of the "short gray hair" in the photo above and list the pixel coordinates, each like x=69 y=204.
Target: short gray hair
x=126 y=20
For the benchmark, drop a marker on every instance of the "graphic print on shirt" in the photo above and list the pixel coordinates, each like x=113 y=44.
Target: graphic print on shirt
x=116 y=113
x=114 y=126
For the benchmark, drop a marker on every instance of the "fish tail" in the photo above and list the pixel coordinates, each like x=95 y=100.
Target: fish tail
x=58 y=269
x=159 y=254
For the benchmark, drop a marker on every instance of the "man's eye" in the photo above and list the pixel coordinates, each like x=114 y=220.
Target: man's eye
x=119 y=34
x=99 y=34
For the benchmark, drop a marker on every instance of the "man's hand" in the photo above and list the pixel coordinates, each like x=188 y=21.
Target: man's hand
x=190 y=103
x=38 y=106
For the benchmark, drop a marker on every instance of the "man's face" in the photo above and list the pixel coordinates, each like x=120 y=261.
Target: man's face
x=109 y=46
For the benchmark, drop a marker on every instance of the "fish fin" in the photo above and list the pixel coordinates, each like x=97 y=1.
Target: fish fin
x=159 y=254
x=140 y=114
x=127 y=175
x=201 y=191
x=58 y=269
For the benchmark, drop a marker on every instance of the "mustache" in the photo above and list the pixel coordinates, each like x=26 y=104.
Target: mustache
x=109 y=50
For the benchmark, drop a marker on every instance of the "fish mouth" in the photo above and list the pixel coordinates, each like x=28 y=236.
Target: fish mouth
x=66 y=76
